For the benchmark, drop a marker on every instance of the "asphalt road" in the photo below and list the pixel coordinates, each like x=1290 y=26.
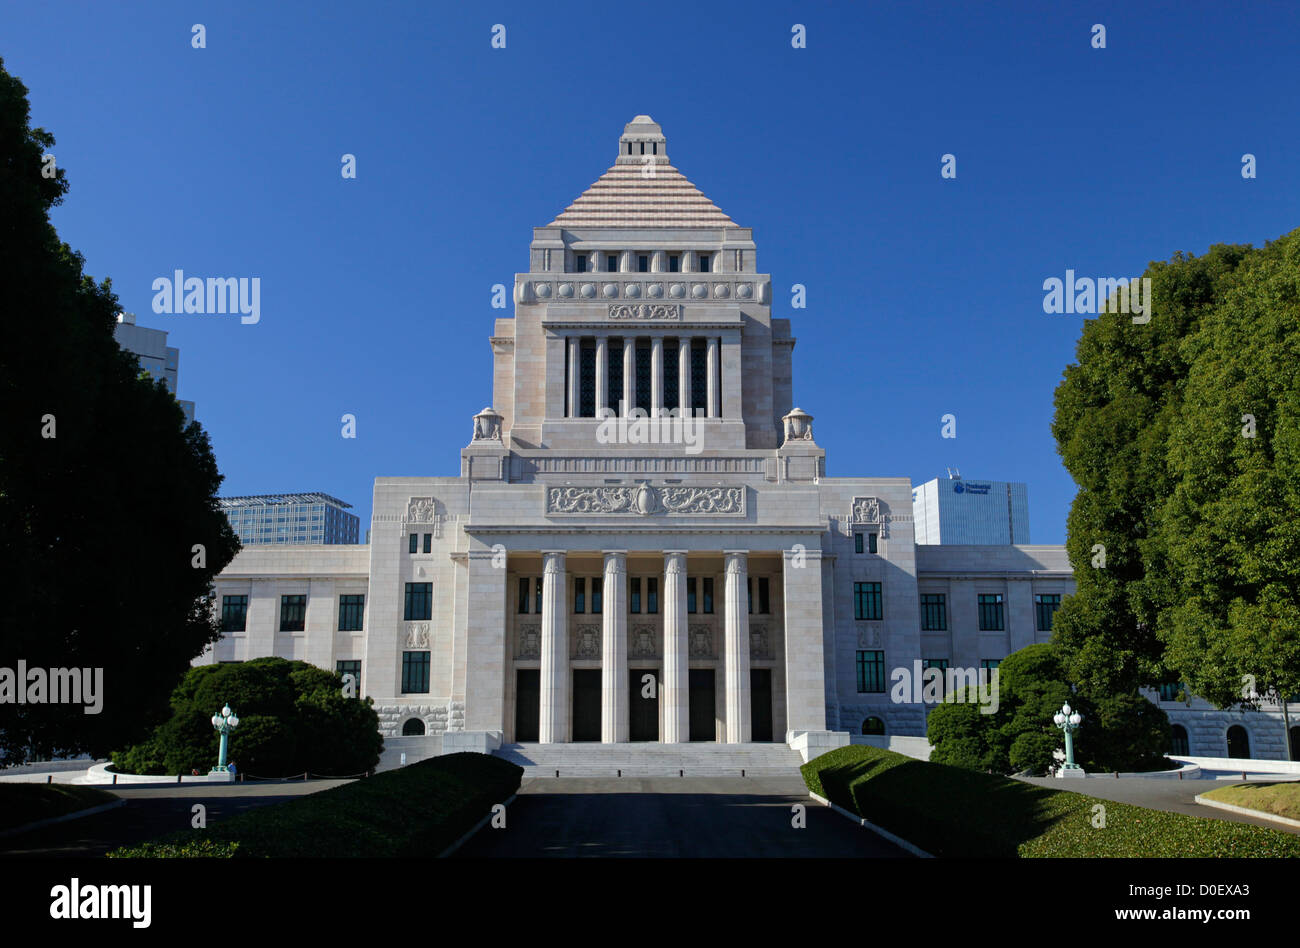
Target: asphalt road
x=724 y=817
x=150 y=812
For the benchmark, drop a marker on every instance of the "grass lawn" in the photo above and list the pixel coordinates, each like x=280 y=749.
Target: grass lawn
x=418 y=810
x=23 y=803
x=1280 y=799
x=948 y=811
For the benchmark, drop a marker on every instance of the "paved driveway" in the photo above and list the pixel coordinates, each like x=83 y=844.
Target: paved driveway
x=672 y=817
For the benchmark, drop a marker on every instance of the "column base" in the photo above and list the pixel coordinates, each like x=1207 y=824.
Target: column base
x=472 y=742
x=812 y=744
x=1068 y=771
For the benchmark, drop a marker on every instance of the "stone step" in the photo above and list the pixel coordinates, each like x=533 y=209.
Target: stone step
x=641 y=760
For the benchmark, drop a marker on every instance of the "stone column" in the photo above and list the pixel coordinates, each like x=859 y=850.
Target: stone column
x=629 y=375
x=613 y=665
x=656 y=376
x=572 y=344
x=736 y=637
x=684 y=377
x=554 y=728
x=602 y=370
x=675 y=690
x=712 y=359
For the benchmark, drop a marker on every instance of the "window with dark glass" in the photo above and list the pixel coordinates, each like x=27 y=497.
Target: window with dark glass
x=674 y=263
x=764 y=595
x=857 y=543
x=614 y=375
x=523 y=595
x=749 y=593
x=942 y=665
x=597 y=595
x=707 y=583
x=699 y=376
x=419 y=601
x=990 y=610
x=611 y=262
x=643 y=263
x=352 y=610
x=415 y=673
x=1178 y=745
x=672 y=378
x=415 y=543
x=1169 y=690
x=643 y=375
x=866 y=601
x=690 y=594
x=934 y=612
x=579 y=594
x=871 y=671
x=1045 y=607
x=234 y=613
x=871 y=543
x=580 y=262
x=349 y=667
x=634 y=594
x=428 y=543
x=293 y=613
x=537 y=596
x=704 y=263
x=652 y=594
x=587 y=379
x=987 y=665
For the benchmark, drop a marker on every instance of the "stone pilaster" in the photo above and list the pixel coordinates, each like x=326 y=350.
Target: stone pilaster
x=736 y=637
x=714 y=402
x=602 y=373
x=684 y=376
x=629 y=375
x=572 y=350
x=613 y=666
x=805 y=684
x=485 y=643
x=675 y=690
x=554 y=726
x=656 y=376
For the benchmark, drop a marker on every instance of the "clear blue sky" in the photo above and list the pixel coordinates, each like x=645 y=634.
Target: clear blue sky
x=924 y=294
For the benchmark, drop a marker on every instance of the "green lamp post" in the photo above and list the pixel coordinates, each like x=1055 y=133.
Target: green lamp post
x=1069 y=721
x=225 y=722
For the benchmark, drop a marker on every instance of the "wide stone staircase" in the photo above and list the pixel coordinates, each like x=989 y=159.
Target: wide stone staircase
x=653 y=760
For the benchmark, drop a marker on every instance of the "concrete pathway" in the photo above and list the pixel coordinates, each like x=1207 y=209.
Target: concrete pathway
x=1174 y=796
x=151 y=812
x=672 y=817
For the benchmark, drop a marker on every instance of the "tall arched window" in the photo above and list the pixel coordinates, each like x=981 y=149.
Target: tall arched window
x=413 y=727
x=1238 y=742
x=1179 y=746
x=873 y=725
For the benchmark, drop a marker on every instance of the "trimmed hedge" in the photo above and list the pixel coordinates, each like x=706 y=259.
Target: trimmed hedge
x=950 y=811
x=418 y=810
x=23 y=803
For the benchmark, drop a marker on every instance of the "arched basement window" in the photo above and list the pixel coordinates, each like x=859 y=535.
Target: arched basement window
x=1179 y=746
x=1238 y=742
x=413 y=727
x=873 y=725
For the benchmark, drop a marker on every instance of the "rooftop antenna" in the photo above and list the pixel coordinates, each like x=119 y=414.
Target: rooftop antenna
x=954 y=474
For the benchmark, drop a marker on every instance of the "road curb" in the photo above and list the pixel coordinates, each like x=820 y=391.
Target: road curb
x=50 y=821
x=866 y=824
x=1245 y=811
x=477 y=826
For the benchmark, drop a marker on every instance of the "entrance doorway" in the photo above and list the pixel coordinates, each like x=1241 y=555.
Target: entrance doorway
x=703 y=718
x=586 y=704
x=643 y=711
x=528 y=705
x=760 y=704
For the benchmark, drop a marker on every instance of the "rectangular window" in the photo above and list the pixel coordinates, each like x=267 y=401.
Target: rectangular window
x=415 y=543
x=866 y=601
x=652 y=594
x=419 y=601
x=415 y=673
x=293 y=613
x=991 y=612
x=579 y=594
x=643 y=365
x=674 y=263
x=587 y=378
x=234 y=613
x=857 y=543
x=634 y=594
x=708 y=595
x=350 y=667
x=580 y=262
x=643 y=263
x=704 y=263
x=523 y=595
x=871 y=543
x=611 y=262
x=1169 y=690
x=597 y=595
x=871 y=672
x=690 y=594
x=352 y=610
x=942 y=665
x=537 y=596
x=672 y=378
x=934 y=612
x=1046 y=606
x=749 y=593
x=987 y=665
x=764 y=595
x=699 y=377
x=614 y=376
x=428 y=543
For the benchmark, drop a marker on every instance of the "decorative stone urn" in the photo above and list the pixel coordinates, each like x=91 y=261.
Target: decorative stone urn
x=487 y=425
x=798 y=426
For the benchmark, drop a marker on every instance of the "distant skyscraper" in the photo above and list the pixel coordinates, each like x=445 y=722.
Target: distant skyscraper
x=156 y=357
x=290 y=518
x=953 y=510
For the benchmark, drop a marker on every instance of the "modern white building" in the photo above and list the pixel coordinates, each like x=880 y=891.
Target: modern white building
x=642 y=543
x=954 y=510
x=157 y=358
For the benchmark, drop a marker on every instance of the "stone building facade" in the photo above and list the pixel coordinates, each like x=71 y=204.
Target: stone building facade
x=642 y=543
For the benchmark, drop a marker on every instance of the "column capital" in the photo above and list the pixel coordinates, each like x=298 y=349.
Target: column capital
x=615 y=561
x=553 y=561
x=674 y=561
x=737 y=561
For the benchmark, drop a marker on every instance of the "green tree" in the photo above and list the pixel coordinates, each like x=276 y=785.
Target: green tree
x=293 y=718
x=104 y=491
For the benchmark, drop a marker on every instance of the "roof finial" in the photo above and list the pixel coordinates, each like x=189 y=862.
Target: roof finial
x=642 y=142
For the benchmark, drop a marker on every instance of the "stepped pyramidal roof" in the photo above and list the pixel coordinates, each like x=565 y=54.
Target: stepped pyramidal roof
x=642 y=190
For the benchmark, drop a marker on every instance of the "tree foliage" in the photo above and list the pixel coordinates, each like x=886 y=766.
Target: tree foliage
x=104 y=491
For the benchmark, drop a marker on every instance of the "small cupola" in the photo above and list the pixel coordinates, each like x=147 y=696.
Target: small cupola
x=642 y=140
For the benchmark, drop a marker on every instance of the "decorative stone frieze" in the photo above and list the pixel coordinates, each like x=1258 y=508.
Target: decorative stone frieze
x=417 y=635
x=701 y=641
x=645 y=310
x=586 y=641
x=642 y=642
x=760 y=642
x=645 y=500
x=528 y=642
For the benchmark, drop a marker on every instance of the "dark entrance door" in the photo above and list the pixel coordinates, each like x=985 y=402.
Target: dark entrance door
x=703 y=718
x=760 y=704
x=586 y=704
x=528 y=705
x=643 y=711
